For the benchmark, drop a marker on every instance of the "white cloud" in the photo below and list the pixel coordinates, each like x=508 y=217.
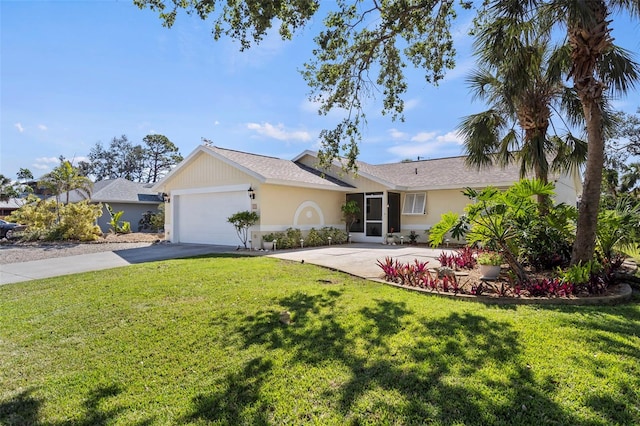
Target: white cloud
x=42 y=127
x=44 y=163
x=279 y=132
x=215 y=123
x=47 y=160
x=410 y=104
x=397 y=134
x=19 y=127
x=423 y=137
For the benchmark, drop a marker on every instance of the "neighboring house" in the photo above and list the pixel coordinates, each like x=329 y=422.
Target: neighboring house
x=9 y=206
x=133 y=198
x=212 y=183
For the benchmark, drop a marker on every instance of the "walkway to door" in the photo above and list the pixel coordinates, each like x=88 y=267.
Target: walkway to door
x=360 y=259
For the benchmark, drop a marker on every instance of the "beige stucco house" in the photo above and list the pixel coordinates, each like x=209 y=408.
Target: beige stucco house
x=212 y=183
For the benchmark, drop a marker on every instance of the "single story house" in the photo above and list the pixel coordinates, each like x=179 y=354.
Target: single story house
x=212 y=183
x=9 y=206
x=132 y=198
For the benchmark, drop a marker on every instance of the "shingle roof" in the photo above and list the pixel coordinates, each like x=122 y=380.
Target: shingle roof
x=439 y=173
x=124 y=191
x=118 y=190
x=277 y=169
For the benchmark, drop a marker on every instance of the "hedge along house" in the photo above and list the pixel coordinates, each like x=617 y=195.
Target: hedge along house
x=212 y=183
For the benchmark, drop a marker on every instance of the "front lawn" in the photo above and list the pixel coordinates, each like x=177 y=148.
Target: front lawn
x=199 y=341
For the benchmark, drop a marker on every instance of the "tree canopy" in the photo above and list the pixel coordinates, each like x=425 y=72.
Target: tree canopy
x=139 y=163
x=360 y=38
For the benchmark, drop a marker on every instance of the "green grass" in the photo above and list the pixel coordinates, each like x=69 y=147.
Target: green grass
x=198 y=341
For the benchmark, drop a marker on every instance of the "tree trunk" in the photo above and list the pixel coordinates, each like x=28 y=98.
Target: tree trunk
x=589 y=40
x=585 y=243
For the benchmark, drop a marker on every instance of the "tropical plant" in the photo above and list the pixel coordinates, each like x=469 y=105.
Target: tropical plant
x=598 y=69
x=545 y=240
x=493 y=219
x=66 y=178
x=78 y=222
x=242 y=221
x=338 y=236
x=313 y=238
x=490 y=258
x=117 y=226
x=7 y=189
x=618 y=227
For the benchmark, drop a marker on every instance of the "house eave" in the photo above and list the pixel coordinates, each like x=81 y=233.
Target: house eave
x=282 y=182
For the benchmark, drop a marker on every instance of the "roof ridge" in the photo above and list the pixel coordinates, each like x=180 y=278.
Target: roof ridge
x=244 y=152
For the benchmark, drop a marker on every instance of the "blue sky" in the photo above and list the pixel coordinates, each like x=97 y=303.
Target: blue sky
x=76 y=73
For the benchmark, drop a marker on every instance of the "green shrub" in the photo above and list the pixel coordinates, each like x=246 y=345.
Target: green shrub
x=39 y=216
x=77 y=220
x=293 y=236
x=338 y=236
x=314 y=239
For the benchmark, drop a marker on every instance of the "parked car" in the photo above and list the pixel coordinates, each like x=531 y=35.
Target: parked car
x=8 y=229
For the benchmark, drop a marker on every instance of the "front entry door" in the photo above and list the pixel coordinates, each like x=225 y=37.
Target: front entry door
x=373 y=214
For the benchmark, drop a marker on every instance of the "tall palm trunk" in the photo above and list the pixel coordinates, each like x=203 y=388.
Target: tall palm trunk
x=589 y=40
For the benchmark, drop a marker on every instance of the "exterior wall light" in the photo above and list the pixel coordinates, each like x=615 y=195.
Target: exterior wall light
x=252 y=193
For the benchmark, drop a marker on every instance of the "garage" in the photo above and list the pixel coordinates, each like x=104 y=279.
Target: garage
x=202 y=217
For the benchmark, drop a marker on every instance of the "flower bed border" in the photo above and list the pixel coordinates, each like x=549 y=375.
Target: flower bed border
x=622 y=294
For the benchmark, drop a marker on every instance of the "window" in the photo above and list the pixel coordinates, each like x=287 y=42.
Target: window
x=414 y=203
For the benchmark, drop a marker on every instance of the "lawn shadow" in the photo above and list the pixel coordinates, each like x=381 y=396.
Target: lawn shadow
x=236 y=399
x=426 y=370
x=24 y=409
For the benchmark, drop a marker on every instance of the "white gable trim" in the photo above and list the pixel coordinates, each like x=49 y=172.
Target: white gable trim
x=202 y=149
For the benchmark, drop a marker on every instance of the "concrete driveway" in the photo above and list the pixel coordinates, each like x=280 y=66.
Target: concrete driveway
x=355 y=259
x=58 y=266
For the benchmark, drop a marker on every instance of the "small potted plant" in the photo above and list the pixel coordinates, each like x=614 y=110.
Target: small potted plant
x=413 y=237
x=391 y=239
x=490 y=262
x=267 y=241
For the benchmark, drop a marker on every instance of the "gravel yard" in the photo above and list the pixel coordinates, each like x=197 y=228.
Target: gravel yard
x=17 y=252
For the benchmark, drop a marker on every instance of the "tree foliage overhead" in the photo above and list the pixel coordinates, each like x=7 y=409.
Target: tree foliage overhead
x=363 y=50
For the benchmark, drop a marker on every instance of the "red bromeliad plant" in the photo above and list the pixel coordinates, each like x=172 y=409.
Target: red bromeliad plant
x=463 y=258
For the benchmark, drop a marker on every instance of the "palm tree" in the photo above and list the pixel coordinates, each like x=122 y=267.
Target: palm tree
x=597 y=66
x=520 y=80
x=598 y=69
x=66 y=178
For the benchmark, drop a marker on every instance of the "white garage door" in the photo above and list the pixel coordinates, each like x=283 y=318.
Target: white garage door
x=202 y=218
